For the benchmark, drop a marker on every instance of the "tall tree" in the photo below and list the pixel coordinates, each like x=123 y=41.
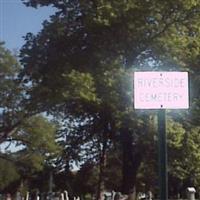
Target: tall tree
x=32 y=147
x=25 y=141
x=10 y=93
x=79 y=64
x=14 y=101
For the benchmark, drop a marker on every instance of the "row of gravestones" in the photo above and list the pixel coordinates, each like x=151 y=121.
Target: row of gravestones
x=119 y=196
x=39 y=196
x=142 y=196
x=64 y=196
x=58 y=196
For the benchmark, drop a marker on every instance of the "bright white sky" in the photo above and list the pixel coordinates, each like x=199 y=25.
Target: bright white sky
x=16 y=20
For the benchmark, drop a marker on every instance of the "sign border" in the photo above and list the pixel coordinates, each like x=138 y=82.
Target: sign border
x=164 y=107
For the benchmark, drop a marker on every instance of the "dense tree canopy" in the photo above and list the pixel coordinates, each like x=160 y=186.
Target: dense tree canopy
x=27 y=142
x=10 y=93
x=79 y=69
x=81 y=62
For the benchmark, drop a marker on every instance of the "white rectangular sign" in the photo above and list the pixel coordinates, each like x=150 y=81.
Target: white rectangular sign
x=161 y=90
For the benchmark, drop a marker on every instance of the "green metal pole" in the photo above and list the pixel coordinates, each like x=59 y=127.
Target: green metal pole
x=162 y=150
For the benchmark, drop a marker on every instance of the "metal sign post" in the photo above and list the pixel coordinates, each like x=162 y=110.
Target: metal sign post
x=162 y=152
x=161 y=90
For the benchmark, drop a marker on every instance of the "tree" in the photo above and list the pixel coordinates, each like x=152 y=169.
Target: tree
x=87 y=172
x=186 y=151
x=27 y=142
x=31 y=149
x=37 y=138
x=9 y=174
x=14 y=103
x=10 y=93
x=96 y=43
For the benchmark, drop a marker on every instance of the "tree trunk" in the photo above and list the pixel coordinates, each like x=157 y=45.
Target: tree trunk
x=102 y=165
x=132 y=195
x=101 y=179
x=132 y=158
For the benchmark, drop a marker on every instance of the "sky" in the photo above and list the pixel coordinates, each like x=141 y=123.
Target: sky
x=16 y=20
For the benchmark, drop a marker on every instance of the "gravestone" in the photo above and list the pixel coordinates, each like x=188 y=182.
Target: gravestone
x=191 y=193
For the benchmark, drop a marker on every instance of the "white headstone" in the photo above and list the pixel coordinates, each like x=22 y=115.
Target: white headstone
x=27 y=195
x=66 y=195
x=62 y=196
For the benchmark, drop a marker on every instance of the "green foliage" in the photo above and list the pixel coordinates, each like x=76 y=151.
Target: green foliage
x=88 y=173
x=37 y=137
x=113 y=172
x=175 y=134
x=79 y=68
x=34 y=138
x=82 y=85
x=10 y=91
x=8 y=175
x=40 y=132
x=13 y=97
